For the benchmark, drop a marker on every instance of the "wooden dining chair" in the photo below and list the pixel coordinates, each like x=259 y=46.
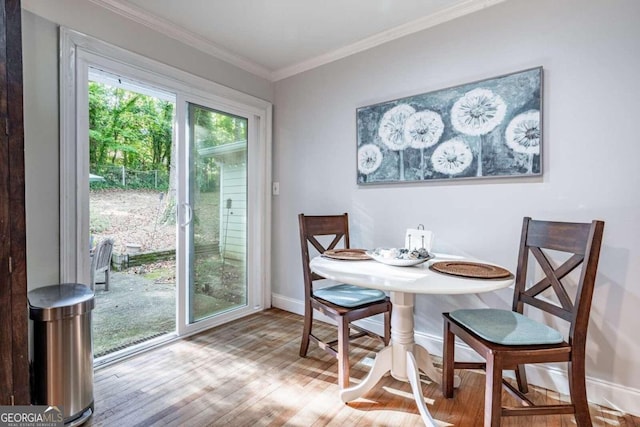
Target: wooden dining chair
x=508 y=340
x=342 y=303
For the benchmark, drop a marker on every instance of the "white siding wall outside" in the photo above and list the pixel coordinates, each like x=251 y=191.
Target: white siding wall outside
x=233 y=229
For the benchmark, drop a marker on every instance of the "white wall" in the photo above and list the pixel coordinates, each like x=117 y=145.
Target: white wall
x=41 y=130
x=589 y=51
x=41 y=112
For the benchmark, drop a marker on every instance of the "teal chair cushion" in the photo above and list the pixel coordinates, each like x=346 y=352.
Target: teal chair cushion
x=506 y=327
x=349 y=295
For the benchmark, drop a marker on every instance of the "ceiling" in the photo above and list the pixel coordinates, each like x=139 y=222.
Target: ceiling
x=279 y=38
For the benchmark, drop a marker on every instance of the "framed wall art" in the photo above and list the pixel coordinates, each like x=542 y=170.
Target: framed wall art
x=485 y=129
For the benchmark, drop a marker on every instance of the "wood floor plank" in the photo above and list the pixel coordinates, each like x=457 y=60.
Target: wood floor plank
x=248 y=373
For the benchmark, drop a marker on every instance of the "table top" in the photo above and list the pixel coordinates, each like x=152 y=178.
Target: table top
x=417 y=279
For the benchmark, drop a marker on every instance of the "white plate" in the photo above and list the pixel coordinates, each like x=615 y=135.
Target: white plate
x=398 y=262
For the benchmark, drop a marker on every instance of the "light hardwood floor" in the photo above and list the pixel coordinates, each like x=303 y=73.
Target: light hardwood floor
x=248 y=373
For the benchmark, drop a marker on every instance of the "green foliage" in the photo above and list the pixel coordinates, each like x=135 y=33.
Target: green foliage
x=212 y=129
x=128 y=129
x=131 y=133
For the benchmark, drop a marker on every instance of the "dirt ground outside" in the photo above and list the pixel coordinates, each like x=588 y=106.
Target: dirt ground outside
x=141 y=301
x=131 y=216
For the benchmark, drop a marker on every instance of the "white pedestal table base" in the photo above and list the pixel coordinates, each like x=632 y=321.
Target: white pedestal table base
x=403 y=358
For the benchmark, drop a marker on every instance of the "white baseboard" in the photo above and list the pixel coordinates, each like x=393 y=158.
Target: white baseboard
x=621 y=398
x=296 y=306
x=287 y=304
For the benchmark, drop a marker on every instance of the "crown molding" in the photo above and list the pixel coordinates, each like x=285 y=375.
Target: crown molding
x=180 y=34
x=415 y=26
x=176 y=32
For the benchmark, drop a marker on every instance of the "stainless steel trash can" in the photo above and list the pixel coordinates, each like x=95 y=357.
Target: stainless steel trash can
x=62 y=359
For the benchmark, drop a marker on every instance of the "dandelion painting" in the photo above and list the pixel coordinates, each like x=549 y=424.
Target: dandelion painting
x=488 y=128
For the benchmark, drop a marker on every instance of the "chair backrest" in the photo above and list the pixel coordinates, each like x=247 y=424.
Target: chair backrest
x=101 y=260
x=336 y=227
x=581 y=241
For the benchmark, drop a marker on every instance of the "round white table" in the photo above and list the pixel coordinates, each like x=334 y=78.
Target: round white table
x=402 y=357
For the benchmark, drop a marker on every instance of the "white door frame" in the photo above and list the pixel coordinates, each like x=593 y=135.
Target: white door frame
x=255 y=156
x=78 y=53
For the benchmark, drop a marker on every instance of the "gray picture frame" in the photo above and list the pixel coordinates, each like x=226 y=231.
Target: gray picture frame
x=489 y=128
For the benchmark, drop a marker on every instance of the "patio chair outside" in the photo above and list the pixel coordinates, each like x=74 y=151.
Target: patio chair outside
x=101 y=263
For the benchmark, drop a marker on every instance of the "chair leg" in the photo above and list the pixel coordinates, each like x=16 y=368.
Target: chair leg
x=107 y=275
x=493 y=393
x=343 y=352
x=306 y=331
x=578 y=392
x=448 y=360
x=521 y=378
x=387 y=327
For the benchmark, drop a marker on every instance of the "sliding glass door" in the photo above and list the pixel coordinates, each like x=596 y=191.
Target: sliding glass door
x=218 y=195
x=217 y=181
x=217 y=206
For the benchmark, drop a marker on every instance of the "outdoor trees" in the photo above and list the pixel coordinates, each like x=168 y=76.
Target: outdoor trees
x=128 y=129
x=212 y=129
x=133 y=132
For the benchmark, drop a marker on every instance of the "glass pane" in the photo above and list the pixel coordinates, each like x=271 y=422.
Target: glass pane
x=218 y=199
x=131 y=205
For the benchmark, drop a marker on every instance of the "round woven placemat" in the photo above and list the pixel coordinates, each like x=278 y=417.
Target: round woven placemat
x=474 y=270
x=347 y=254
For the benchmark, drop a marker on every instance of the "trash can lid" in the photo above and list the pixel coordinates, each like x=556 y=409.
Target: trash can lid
x=60 y=301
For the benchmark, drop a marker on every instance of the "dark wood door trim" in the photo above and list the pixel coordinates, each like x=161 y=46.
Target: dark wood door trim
x=13 y=296
x=6 y=339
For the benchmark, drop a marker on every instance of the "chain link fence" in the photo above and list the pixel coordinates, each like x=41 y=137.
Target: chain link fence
x=122 y=177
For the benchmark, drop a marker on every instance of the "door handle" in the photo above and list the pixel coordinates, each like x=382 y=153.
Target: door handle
x=189 y=212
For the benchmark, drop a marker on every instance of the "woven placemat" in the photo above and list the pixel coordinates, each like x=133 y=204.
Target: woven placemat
x=347 y=254
x=474 y=270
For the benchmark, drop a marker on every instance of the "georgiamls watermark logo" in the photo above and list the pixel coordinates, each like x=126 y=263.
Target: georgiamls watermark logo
x=31 y=416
